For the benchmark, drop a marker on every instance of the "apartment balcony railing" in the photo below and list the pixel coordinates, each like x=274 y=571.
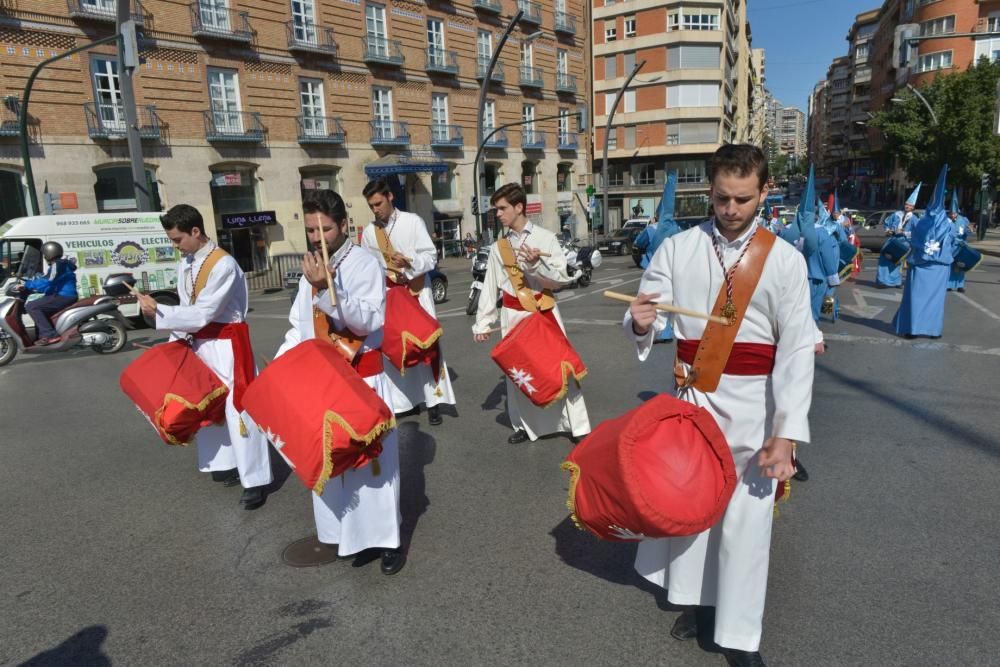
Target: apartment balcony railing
x=531 y=77
x=568 y=142
x=491 y=6
x=565 y=23
x=10 y=116
x=441 y=61
x=532 y=140
x=481 y=66
x=320 y=130
x=107 y=121
x=220 y=23
x=310 y=39
x=382 y=51
x=446 y=136
x=498 y=140
x=565 y=83
x=532 y=11
x=234 y=126
x=390 y=133
x=103 y=10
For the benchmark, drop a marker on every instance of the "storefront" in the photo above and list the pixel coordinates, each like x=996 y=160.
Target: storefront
x=11 y=196
x=240 y=227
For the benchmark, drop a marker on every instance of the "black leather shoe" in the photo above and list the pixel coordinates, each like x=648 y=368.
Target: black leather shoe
x=253 y=497
x=518 y=437
x=962 y=290
x=393 y=561
x=737 y=658
x=433 y=416
x=228 y=478
x=801 y=474
x=686 y=626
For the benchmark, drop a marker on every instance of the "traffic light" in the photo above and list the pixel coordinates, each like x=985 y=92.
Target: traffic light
x=590 y=191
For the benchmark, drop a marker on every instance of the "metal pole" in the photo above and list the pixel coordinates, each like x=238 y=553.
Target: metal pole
x=142 y=198
x=607 y=134
x=479 y=179
x=924 y=100
x=29 y=176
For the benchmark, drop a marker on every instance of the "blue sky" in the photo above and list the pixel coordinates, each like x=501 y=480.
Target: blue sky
x=800 y=38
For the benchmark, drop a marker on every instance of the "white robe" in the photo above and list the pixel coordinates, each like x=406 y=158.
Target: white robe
x=224 y=300
x=409 y=236
x=550 y=272
x=726 y=566
x=358 y=510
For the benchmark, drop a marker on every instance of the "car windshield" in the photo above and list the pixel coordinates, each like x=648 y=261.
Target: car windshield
x=622 y=233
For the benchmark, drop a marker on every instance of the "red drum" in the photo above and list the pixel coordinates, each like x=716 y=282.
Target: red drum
x=410 y=334
x=538 y=358
x=663 y=469
x=320 y=414
x=176 y=391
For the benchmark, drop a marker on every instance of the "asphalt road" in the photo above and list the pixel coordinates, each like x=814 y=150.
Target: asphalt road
x=116 y=550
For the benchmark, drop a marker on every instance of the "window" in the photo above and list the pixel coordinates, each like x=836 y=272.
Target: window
x=934 y=61
x=861 y=53
x=693 y=56
x=528 y=179
x=102 y=6
x=629 y=101
x=693 y=95
x=382 y=125
x=564 y=179
x=562 y=63
x=564 y=132
x=443 y=184
x=317 y=179
x=224 y=93
x=616 y=175
x=938 y=26
x=304 y=21
x=613 y=139
x=630 y=136
x=484 y=49
x=107 y=93
x=993 y=23
x=645 y=174
x=630 y=26
x=693 y=19
x=492 y=173
x=699 y=132
x=489 y=115
x=435 y=42
x=114 y=191
x=527 y=55
x=313 y=108
x=629 y=58
x=689 y=171
x=610 y=30
x=528 y=116
x=610 y=67
x=378 y=45
x=214 y=14
x=439 y=118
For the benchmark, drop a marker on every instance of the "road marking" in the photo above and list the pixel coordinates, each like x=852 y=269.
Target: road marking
x=862 y=309
x=268 y=316
x=934 y=346
x=977 y=306
x=603 y=323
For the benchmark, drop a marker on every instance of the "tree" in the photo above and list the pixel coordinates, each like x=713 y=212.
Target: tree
x=965 y=104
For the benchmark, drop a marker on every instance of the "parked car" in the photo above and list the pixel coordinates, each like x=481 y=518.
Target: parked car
x=620 y=242
x=439 y=283
x=684 y=222
x=872 y=234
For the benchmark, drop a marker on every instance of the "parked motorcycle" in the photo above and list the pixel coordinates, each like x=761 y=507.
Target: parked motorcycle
x=94 y=322
x=580 y=262
x=479 y=262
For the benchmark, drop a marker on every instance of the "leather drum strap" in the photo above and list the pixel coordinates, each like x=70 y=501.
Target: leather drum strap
x=385 y=247
x=717 y=340
x=525 y=295
x=346 y=342
x=206 y=269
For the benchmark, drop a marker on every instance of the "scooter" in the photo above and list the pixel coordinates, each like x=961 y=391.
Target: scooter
x=580 y=262
x=479 y=263
x=94 y=322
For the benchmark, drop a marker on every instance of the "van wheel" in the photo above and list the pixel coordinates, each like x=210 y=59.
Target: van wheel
x=8 y=349
x=167 y=300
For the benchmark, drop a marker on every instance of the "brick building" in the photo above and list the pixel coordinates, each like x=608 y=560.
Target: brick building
x=693 y=94
x=244 y=104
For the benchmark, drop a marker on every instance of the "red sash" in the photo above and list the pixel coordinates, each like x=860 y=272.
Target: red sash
x=244 y=370
x=745 y=359
x=510 y=301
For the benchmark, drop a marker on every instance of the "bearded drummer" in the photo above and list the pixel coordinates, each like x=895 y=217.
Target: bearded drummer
x=725 y=567
x=358 y=513
x=543 y=266
x=400 y=242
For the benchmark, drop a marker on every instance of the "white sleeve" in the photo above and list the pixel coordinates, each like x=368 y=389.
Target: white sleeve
x=794 y=363
x=656 y=279
x=360 y=301
x=487 y=313
x=211 y=301
x=424 y=253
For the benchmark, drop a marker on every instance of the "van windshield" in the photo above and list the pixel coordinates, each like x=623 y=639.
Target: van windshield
x=11 y=252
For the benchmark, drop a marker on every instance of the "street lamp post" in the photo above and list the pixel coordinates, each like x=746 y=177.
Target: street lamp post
x=934 y=118
x=607 y=134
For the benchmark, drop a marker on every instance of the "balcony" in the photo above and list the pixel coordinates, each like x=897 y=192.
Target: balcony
x=441 y=61
x=220 y=23
x=491 y=6
x=531 y=77
x=446 y=136
x=481 y=66
x=304 y=38
x=532 y=11
x=10 y=116
x=567 y=142
x=532 y=140
x=498 y=140
x=320 y=130
x=382 y=51
x=107 y=121
x=241 y=127
x=565 y=23
x=103 y=10
x=565 y=83
x=389 y=133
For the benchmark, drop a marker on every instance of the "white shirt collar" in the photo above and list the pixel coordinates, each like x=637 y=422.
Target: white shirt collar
x=524 y=231
x=740 y=240
x=341 y=252
x=201 y=253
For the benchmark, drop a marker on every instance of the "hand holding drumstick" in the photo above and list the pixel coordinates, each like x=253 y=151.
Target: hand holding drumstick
x=643 y=308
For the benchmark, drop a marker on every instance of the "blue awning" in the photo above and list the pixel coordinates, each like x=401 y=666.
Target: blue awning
x=391 y=165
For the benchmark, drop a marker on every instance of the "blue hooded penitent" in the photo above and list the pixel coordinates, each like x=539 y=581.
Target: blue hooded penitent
x=954 y=202
x=933 y=235
x=666 y=227
x=912 y=199
x=836 y=201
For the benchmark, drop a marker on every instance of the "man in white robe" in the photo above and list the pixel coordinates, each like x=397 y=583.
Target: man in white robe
x=415 y=256
x=726 y=566
x=544 y=265
x=359 y=510
x=224 y=299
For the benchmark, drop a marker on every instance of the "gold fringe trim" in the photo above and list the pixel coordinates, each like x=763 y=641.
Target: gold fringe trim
x=199 y=406
x=574 y=477
x=329 y=419
x=243 y=428
x=784 y=498
x=422 y=344
x=846 y=271
x=567 y=371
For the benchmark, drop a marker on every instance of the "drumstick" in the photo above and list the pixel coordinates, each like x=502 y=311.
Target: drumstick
x=133 y=289
x=141 y=346
x=326 y=267
x=669 y=309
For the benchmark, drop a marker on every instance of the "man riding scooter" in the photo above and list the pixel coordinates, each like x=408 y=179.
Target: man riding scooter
x=59 y=288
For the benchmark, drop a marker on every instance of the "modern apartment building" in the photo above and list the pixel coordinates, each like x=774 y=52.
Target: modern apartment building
x=692 y=95
x=758 y=109
x=790 y=134
x=246 y=104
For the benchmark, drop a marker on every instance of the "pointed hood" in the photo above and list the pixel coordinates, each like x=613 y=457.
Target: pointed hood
x=954 y=201
x=912 y=199
x=933 y=236
x=836 y=202
x=666 y=210
x=830 y=207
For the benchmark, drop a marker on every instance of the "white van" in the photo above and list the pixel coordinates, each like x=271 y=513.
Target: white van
x=101 y=244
